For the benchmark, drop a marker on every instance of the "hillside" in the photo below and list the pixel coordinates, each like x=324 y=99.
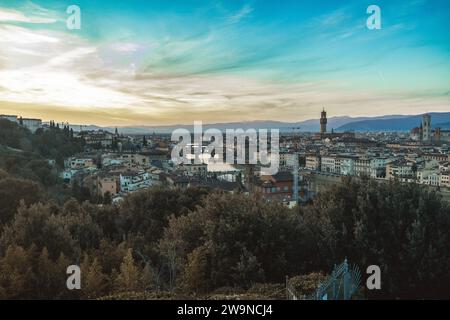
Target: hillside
x=311 y=125
x=24 y=154
x=404 y=123
x=342 y=123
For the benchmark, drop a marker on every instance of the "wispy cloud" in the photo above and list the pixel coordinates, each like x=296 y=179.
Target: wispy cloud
x=244 y=12
x=216 y=72
x=9 y=15
x=126 y=47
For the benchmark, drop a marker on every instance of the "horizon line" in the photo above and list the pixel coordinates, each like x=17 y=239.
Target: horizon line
x=230 y=122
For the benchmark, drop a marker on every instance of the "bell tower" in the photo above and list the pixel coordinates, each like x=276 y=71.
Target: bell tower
x=323 y=122
x=426 y=127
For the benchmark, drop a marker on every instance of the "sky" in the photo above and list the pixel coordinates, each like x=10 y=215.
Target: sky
x=140 y=62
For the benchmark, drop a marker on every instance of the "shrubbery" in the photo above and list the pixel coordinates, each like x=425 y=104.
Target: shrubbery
x=192 y=243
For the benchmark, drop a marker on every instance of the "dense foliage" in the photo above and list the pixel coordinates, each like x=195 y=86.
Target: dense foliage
x=196 y=242
x=165 y=243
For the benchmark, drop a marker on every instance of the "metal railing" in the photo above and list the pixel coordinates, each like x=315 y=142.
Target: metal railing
x=342 y=284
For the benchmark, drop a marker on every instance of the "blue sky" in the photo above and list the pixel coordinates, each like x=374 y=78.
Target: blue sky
x=167 y=62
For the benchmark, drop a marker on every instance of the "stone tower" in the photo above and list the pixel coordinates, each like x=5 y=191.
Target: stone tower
x=426 y=127
x=323 y=122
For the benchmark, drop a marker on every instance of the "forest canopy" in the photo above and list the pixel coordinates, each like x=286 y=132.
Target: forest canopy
x=197 y=242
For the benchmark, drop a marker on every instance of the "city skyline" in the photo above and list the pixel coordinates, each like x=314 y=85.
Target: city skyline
x=157 y=63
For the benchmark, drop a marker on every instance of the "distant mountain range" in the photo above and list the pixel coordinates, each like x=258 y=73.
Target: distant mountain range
x=339 y=124
x=397 y=123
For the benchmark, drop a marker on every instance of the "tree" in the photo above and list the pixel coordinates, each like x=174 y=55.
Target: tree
x=12 y=192
x=248 y=270
x=38 y=225
x=80 y=192
x=94 y=282
x=50 y=279
x=129 y=277
x=145 y=214
x=148 y=281
x=197 y=272
x=258 y=240
x=393 y=225
x=107 y=198
x=16 y=275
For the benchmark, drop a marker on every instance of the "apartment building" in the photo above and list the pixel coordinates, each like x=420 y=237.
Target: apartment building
x=31 y=124
x=378 y=166
x=312 y=162
x=79 y=163
x=445 y=179
x=399 y=169
x=362 y=166
x=132 y=181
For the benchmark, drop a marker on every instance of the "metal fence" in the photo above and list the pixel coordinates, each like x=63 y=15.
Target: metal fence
x=343 y=283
